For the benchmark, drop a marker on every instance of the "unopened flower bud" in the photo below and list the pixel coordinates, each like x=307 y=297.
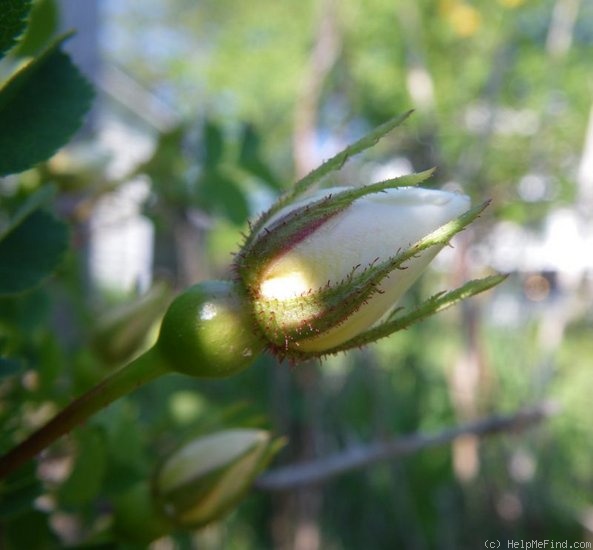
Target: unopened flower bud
x=206 y=478
x=323 y=270
x=122 y=331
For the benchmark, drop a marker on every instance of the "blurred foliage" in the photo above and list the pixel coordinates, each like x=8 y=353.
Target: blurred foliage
x=496 y=102
x=12 y=22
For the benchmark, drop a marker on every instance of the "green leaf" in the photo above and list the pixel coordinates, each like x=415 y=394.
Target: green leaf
x=43 y=22
x=23 y=314
x=20 y=500
x=213 y=144
x=167 y=164
x=41 y=106
x=13 y=19
x=31 y=252
x=125 y=442
x=128 y=461
x=250 y=157
x=219 y=193
x=32 y=203
x=30 y=531
x=86 y=478
x=18 y=492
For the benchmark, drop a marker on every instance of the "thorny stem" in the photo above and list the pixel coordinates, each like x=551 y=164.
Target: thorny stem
x=145 y=368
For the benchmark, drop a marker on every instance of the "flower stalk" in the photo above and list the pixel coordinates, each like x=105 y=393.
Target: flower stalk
x=142 y=370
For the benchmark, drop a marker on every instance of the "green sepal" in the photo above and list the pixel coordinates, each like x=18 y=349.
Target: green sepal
x=329 y=166
x=438 y=237
x=398 y=321
x=308 y=315
x=312 y=314
x=298 y=224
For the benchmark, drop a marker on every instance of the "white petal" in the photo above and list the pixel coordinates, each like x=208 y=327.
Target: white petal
x=373 y=228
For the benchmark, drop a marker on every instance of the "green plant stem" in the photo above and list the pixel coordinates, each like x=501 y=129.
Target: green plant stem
x=145 y=368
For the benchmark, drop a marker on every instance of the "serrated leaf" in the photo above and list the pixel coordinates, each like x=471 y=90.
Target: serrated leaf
x=43 y=22
x=41 y=106
x=13 y=19
x=31 y=252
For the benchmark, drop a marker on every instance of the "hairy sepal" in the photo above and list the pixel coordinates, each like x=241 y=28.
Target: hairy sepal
x=401 y=321
x=287 y=322
x=286 y=232
x=331 y=165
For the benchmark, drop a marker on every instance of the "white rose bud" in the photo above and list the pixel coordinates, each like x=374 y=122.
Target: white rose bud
x=205 y=479
x=371 y=230
x=323 y=270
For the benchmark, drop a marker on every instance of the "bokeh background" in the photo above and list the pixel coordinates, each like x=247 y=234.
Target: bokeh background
x=204 y=112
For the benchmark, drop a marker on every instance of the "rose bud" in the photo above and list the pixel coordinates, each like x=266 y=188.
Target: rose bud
x=323 y=270
x=205 y=479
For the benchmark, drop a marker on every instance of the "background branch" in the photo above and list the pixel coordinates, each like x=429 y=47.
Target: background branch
x=361 y=456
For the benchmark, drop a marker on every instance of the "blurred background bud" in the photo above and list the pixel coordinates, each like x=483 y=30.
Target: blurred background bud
x=205 y=479
x=122 y=332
